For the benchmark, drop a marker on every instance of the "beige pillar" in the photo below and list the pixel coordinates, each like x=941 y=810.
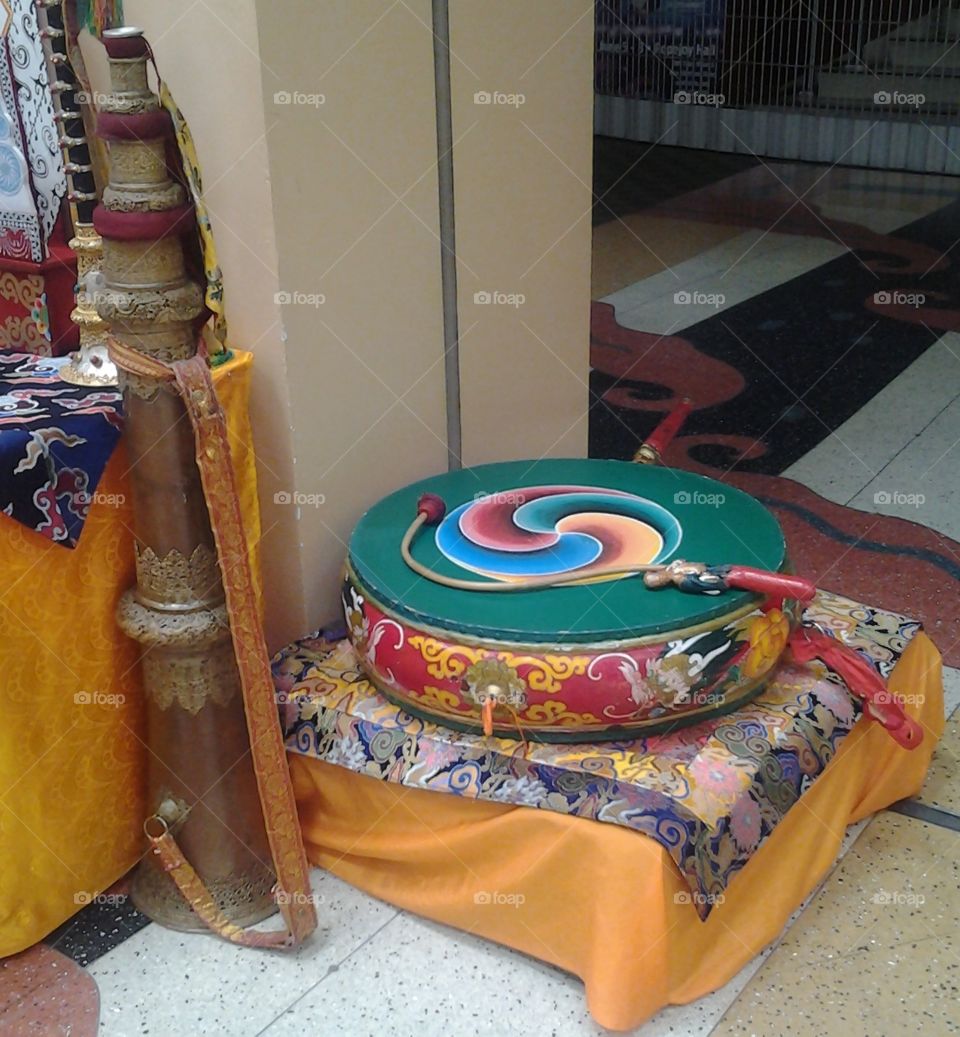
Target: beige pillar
x=315 y=127
x=523 y=120
x=348 y=92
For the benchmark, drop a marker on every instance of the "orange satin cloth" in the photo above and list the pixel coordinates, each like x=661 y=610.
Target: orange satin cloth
x=72 y=772
x=600 y=901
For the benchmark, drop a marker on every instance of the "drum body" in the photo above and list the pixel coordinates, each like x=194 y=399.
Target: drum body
x=605 y=658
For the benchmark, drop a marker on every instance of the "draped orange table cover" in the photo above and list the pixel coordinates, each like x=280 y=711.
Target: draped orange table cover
x=72 y=755
x=599 y=900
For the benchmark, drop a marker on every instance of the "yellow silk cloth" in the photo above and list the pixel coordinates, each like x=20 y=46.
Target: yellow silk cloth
x=595 y=899
x=72 y=755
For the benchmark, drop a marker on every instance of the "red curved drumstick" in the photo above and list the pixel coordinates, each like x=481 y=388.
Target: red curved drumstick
x=652 y=448
x=863 y=681
x=661 y=437
x=772 y=584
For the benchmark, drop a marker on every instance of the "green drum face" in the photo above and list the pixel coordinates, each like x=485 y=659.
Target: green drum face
x=605 y=657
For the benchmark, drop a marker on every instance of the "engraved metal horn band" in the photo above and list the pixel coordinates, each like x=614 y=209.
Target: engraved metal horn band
x=201 y=779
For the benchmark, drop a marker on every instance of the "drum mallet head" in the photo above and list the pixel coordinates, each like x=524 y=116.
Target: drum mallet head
x=432 y=508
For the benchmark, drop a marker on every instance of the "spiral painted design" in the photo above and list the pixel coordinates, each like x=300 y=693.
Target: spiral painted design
x=556 y=530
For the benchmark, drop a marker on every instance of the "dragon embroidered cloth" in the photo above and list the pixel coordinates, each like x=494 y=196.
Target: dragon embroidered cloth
x=709 y=794
x=55 y=441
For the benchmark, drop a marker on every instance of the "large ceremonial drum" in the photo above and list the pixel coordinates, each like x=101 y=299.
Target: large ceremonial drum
x=606 y=657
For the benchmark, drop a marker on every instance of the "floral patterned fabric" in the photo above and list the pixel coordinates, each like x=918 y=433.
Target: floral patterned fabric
x=709 y=794
x=55 y=441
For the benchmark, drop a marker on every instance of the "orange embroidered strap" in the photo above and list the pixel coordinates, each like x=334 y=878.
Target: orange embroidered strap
x=193 y=380
x=172 y=860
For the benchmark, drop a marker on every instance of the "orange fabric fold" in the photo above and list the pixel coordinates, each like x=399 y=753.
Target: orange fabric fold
x=595 y=899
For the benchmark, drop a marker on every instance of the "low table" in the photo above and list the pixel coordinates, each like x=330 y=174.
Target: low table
x=595 y=898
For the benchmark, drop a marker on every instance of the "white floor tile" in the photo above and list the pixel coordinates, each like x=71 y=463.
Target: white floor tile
x=706 y=264
x=163 y=982
x=844 y=463
x=420 y=978
x=476 y=987
x=922 y=482
x=717 y=279
x=881 y=200
x=951 y=689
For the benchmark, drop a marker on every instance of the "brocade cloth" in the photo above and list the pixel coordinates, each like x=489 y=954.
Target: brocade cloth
x=55 y=442
x=709 y=794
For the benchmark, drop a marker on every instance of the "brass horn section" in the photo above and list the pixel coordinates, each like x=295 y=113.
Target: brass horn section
x=201 y=779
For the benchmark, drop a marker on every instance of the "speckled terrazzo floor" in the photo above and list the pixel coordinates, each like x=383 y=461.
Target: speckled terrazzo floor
x=877 y=952
x=942 y=789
